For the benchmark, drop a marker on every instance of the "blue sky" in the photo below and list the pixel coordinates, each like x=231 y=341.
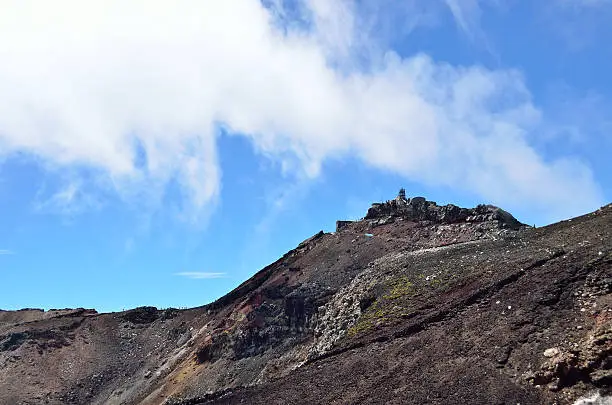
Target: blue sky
x=156 y=154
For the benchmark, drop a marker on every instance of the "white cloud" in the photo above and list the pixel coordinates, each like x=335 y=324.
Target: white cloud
x=200 y=275
x=5 y=252
x=98 y=84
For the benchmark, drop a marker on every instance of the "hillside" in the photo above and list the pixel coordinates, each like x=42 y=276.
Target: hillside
x=416 y=303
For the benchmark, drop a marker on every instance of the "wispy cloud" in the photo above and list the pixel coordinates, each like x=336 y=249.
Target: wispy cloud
x=4 y=252
x=578 y=118
x=200 y=274
x=582 y=24
x=467 y=16
x=72 y=199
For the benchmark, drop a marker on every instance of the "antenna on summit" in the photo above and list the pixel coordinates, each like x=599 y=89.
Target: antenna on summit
x=402 y=194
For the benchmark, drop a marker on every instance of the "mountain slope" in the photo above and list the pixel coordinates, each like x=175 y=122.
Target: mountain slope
x=416 y=303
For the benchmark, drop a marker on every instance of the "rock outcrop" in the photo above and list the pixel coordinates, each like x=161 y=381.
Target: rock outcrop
x=418 y=209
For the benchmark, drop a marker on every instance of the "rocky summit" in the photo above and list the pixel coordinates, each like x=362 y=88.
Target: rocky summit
x=414 y=304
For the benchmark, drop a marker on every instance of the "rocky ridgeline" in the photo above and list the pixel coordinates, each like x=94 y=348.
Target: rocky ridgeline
x=418 y=209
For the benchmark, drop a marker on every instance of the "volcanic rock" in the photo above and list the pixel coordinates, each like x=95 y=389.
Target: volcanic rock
x=414 y=304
